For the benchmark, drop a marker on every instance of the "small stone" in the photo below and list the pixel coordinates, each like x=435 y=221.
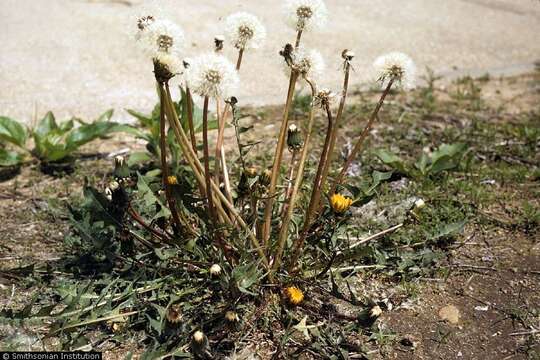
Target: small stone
x=449 y=313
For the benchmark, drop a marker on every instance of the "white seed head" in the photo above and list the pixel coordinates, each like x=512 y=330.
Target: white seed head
x=396 y=66
x=143 y=16
x=212 y=75
x=324 y=97
x=292 y=127
x=305 y=15
x=215 y=270
x=161 y=37
x=309 y=63
x=244 y=31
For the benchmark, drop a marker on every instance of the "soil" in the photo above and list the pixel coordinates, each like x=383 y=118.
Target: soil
x=491 y=274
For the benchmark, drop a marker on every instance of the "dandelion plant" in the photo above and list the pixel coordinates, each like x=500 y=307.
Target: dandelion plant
x=224 y=229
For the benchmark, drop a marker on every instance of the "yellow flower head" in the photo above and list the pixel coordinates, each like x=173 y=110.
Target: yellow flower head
x=340 y=203
x=294 y=295
x=172 y=180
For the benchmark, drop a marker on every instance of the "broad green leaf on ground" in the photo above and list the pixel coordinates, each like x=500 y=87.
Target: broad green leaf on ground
x=391 y=160
x=13 y=132
x=9 y=158
x=446 y=157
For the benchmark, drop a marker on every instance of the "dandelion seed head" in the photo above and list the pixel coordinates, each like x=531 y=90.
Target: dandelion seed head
x=212 y=75
x=305 y=15
x=160 y=37
x=324 y=97
x=396 y=66
x=143 y=16
x=244 y=31
x=308 y=63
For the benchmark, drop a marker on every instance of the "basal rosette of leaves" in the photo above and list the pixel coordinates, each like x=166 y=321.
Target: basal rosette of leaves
x=192 y=247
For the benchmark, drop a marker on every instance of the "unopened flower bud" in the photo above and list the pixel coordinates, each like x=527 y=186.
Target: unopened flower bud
x=265 y=177
x=294 y=138
x=187 y=63
x=199 y=337
x=162 y=71
x=215 y=270
x=218 y=42
x=231 y=316
x=114 y=185
x=347 y=55
x=419 y=204
x=375 y=311
x=121 y=169
x=174 y=314
x=243 y=185
x=251 y=172
x=199 y=344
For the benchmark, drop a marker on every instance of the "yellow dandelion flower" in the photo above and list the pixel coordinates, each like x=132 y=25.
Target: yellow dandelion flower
x=294 y=295
x=172 y=180
x=340 y=203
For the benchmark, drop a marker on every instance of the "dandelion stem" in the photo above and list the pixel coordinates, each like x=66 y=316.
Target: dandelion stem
x=207 y=175
x=284 y=231
x=165 y=168
x=239 y=61
x=221 y=161
x=290 y=179
x=336 y=126
x=277 y=159
x=316 y=190
x=190 y=119
x=135 y=216
x=197 y=169
x=298 y=38
x=217 y=154
x=358 y=146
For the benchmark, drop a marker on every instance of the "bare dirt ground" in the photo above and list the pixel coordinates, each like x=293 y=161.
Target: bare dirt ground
x=481 y=301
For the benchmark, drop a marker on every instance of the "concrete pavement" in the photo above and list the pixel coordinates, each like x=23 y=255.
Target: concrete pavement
x=74 y=56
